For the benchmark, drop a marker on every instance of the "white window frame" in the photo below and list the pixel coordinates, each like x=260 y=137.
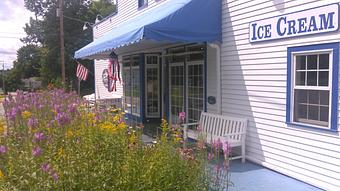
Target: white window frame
x=146 y=85
x=170 y=76
x=328 y=88
x=192 y=63
x=132 y=96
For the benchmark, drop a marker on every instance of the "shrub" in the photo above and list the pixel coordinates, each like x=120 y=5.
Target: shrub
x=53 y=142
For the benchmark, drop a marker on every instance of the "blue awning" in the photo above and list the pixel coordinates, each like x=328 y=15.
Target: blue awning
x=172 y=21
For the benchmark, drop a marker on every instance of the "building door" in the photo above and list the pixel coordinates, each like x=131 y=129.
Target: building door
x=152 y=83
x=176 y=90
x=194 y=90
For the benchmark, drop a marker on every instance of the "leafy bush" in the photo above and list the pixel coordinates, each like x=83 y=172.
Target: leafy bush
x=53 y=142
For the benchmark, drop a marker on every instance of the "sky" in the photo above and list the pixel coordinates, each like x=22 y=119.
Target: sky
x=13 y=16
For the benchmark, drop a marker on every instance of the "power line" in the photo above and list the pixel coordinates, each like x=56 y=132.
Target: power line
x=12 y=33
x=10 y=37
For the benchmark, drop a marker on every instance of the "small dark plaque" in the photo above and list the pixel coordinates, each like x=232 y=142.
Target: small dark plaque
x=211 y=100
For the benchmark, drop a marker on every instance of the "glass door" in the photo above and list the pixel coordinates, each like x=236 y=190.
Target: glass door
x=195 y=90
x=176 y=82
x=152 y=86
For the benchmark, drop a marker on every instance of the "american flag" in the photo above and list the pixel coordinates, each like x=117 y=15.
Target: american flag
x=82 y=72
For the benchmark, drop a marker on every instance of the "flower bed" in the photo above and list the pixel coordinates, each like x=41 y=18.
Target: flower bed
x=52 y=142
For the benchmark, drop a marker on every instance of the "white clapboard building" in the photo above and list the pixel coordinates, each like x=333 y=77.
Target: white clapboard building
x=275 y=62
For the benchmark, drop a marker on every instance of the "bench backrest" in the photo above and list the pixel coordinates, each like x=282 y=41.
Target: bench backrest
x=220 y=125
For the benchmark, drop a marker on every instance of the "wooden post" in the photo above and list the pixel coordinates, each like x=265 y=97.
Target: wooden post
x=79 y=86
x=62 y=46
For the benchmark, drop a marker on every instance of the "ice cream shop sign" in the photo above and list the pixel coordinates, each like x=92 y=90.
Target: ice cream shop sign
x=312 y=21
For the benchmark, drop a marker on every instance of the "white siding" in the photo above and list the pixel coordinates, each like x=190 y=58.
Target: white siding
x=253 y=82
x=100 y=90
x=212 y=79
x=127 y=9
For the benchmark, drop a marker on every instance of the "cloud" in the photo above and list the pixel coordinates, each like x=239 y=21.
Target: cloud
x=3 y=51
x=14 y=16
x=8 y=8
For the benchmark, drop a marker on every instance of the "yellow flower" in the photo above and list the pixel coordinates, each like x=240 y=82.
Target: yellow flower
x=26 y=114
x=116 y=118
x=2 y=128
x=2 y=176
x=122 y=125
x=61 y=153
x=69 y=134
x=133 y=138
x=91 y=117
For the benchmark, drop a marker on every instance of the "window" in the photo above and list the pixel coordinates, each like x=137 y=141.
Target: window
x=142 y=3
x=313 y=86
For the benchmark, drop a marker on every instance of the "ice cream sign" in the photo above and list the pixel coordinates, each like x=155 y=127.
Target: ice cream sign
x=312 y=21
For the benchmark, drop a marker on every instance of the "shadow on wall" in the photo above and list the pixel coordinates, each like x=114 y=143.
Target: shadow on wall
x=245 y=86
x=235 y=96
x=279 y=5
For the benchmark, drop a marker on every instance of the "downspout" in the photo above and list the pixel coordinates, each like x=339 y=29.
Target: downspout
x=217 y=47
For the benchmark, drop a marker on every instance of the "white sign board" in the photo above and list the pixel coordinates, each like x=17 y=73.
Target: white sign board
x=311 y=21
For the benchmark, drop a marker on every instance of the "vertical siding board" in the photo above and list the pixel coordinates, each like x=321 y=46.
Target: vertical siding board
x=251 y=90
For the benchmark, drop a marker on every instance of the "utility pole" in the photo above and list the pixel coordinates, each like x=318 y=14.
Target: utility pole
x=62 y=46
x=3 y=75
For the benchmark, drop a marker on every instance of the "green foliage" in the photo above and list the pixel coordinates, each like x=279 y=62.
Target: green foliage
x=28 y=59
x=41 y=54
x=87 y=150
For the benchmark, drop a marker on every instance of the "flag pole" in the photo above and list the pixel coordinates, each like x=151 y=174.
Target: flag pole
x=79 y=86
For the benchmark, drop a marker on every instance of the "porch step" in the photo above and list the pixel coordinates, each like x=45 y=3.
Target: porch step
x=147 y=139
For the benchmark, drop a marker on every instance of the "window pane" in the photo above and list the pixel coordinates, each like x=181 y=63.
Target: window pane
x=300 y=78
x=301 y=96
x=324 y=97
x=313 y=97
x=300 y=62
x=323 y=78
x=300 y=112
x=324 y=111
x=311 y=106
x=324 y=61
x=311 y=78
x=312 y=61
x=313 y=112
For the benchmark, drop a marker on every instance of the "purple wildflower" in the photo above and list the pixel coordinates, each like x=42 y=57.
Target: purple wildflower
x=3 y=149
x=54 y=175
x=12 y=114
x=226 y=148
x=62 y=118
x=58 y=108
x=45 y=167
x=181 y=116
x=39 y=136
x=72 y=108
x=32 y=122
x=36 y=151
x=217 y=144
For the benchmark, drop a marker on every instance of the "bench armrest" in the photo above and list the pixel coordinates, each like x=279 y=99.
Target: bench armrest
x=185 y=129
x=233 y=134
x=186 y=125
x=189 y=124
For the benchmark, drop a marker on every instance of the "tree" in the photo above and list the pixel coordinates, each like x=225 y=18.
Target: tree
x=28 y=61
x=43 y=36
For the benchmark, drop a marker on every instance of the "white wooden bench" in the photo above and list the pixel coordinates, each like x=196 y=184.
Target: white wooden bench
x=225 y=128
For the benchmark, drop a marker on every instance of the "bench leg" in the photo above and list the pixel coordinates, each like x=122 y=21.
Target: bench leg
x=243 y=153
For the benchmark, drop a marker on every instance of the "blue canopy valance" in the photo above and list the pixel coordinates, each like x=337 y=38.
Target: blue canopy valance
x=172 y=21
